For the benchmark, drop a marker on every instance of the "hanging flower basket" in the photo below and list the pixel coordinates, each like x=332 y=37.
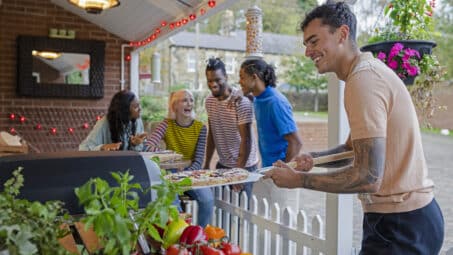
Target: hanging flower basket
x=402 y=56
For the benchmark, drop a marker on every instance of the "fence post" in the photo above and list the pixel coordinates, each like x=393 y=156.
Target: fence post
x=275 y=237
x=302 y=223
x=339 y=209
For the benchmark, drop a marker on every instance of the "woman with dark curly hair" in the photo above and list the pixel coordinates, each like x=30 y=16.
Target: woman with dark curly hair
x=121 y=129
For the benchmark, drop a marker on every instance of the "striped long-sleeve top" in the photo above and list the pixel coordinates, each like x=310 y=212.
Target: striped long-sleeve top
x=189 y=140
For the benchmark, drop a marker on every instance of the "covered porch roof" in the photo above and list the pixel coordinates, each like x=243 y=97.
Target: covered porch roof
x=137 y=20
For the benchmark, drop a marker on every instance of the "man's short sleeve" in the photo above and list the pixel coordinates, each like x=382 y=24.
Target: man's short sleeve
x=366 y=106
x=244 y=111
x=282 y=115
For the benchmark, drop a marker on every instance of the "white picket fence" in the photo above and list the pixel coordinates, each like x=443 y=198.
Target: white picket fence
x=260 y=228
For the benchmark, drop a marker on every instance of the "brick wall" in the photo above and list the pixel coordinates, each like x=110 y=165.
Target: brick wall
x=314 y=135
x=30 y=17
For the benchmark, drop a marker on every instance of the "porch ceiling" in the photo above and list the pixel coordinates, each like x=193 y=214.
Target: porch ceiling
x=136 y=20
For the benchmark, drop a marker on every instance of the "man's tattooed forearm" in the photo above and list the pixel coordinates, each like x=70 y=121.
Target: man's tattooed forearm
x=364 y=176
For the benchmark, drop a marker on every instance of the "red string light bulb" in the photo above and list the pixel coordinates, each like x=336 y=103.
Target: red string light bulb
x=211 y=3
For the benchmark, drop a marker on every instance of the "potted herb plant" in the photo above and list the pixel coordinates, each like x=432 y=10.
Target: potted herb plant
x=28 y=227
x=404 y=44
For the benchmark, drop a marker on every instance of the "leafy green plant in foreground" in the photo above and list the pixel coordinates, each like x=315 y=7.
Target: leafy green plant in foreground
x=107 y=210
x=29 y=227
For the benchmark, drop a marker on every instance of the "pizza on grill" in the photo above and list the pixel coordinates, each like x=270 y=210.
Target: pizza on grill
x=209 y=177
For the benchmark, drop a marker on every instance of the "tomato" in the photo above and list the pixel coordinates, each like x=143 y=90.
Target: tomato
x=207 y=250
x=176 y=250
x=230 y=249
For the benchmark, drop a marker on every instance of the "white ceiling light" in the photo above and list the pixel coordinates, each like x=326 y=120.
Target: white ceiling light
x=95 y=6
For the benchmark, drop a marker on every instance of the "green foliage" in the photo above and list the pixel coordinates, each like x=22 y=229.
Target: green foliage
x=162 y=210
x=302 y=74
x=176 y=87
x=413 y=20
x=153 y=108
x=107 y=210
x=307 y=4
x=408 y=20
x=444 y=24
x=26 y=227
x=422 y=91
x=279 y=16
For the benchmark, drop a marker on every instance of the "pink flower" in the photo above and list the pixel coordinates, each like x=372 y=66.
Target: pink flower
x=393 y=64
x=411 y=52
x=412 y=70
x=381 y=56
x=403 y=61
x=395 y=50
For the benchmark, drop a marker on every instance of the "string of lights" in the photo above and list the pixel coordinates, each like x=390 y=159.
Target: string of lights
x=51 y=129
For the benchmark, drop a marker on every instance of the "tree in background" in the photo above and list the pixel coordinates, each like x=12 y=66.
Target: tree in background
x=302 y=74
x=444 y=24
x=279 y=16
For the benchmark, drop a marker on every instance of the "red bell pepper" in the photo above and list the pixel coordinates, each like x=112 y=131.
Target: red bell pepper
x=230 y=249
x=192 y=234
x=207 y=250
x=177 y=250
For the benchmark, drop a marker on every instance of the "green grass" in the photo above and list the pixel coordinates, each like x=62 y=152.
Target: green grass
x=435 y=131
x=320 y=115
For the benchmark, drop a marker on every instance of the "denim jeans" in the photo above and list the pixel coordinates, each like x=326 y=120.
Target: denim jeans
x=248 y=187
x=418 y=232
x=205 y=200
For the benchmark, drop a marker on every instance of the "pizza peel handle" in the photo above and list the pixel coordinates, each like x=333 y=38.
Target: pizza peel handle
x=316 y=161
x=333 y=157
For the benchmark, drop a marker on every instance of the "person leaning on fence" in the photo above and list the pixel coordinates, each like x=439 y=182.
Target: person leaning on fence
x=185 y=135
x=121 y=129
x=229 y=125
x=389 y=171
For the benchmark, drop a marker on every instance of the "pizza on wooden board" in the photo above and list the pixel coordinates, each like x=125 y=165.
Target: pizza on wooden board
x=209 y=177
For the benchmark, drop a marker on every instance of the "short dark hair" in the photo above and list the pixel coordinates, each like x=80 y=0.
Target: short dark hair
x=215 y=64
x=333 y=15
x=263 y=70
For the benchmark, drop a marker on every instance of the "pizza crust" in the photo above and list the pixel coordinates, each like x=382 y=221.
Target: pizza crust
x=207 y=177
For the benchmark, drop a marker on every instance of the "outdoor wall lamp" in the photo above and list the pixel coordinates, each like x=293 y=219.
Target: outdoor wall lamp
x=95 y=6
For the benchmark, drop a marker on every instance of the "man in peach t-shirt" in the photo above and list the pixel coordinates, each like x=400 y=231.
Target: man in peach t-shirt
x=389 y=172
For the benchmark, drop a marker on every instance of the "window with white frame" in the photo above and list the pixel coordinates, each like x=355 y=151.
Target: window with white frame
x=191 y=62
x=230 y=64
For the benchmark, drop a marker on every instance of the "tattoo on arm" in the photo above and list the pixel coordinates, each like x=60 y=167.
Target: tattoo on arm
x=364 y=176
